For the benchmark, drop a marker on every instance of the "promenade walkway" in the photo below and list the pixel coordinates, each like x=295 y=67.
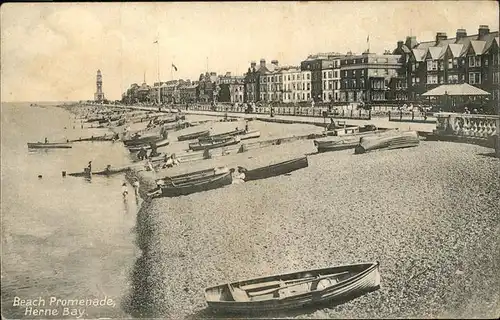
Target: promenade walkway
x=382 y=123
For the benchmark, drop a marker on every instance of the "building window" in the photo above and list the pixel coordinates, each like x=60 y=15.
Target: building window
x=432 y=79
x=432 y=65
x=474 y=77
x=362 y=72
x=474 y=61
x=486 y=61
x=496 y=77
x=453 y=78
x=330 y=74
x=450 y=63
x=308 y=76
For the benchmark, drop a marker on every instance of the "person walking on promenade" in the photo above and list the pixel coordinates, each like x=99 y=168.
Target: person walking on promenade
x=124 y=190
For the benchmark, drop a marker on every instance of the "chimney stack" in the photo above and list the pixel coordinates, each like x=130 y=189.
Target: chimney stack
x=411 y=42
x=461 y=33
x=275 y=62
x=400 y=44
x=440 y=36
x=253 y=64
x=262 y=62
x=483 y=31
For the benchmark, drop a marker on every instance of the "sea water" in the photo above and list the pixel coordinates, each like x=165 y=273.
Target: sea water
x=66 y=241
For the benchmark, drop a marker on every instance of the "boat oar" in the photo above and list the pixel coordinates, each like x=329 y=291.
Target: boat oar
x=296 y=283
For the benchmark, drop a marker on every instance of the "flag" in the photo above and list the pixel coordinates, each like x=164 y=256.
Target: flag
x=156 y=41
x=173 y=66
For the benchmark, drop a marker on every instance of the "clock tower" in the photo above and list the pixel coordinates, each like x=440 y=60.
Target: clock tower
x=99 y=95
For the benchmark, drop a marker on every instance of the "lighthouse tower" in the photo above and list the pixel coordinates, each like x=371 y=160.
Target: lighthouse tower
x=99 y=95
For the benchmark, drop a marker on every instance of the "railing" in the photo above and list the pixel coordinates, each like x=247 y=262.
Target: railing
x=409 y=116
x=467 y=125
x=289 y=111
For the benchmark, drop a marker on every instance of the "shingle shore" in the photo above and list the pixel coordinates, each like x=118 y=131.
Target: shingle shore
x=429 y=214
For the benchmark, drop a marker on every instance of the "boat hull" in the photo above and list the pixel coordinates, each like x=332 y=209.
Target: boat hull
x=49 y=145
x=190 y=186
x=356 y=280
x=141 y=141
x=160 y=143
x=193 y=136
x=387 y=141
x=222 y=136
x=276 y=169
x=199 y=146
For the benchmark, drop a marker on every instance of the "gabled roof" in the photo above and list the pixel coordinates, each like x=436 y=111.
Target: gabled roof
x=419 y=54
x=478 y=46
x=434 y=52
x=455 y=49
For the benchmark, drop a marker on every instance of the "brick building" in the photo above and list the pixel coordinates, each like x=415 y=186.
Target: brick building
x=465 y=58
x=322 y=67
x=366 y=77
x=253 y=80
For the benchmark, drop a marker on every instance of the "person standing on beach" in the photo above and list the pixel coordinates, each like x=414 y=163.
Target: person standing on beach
x=136 y=187
x=124 y=190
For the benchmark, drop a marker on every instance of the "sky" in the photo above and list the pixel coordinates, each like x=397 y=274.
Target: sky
x=51 y=51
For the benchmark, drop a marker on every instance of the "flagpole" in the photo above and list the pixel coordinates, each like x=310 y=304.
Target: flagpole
x=158 y=67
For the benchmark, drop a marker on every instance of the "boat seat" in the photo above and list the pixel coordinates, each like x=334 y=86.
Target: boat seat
x=238 y=294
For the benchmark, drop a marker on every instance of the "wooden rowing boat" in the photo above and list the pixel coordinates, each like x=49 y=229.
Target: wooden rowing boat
x=390 y=140
x=188 y=186
x=342 y=142
x=159 y=143
x=212 y=144
x=137 y=141
x=276 y=169
x=105 y=137
x=250 y=135
x=105 y=172
x=222 y=135
x=195 y=174
x=294 y=290
x=48 y=145
x=194 y=135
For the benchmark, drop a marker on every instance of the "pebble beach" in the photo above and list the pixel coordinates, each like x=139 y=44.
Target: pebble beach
x=428 y=214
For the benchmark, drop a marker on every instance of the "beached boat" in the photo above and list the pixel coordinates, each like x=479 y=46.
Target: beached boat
x=212 y=144
x=159 y=143
x=48 y=145
x=196 y=174
x=137 y=141
x=276 y=169
x=342 y=142
x=250 y=135
x=393 y=139
x=194 y=135
x=295 y=290
x=222 y=135
x=198 y=184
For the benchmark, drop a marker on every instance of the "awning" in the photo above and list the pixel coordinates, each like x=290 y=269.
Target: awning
x=463 y=89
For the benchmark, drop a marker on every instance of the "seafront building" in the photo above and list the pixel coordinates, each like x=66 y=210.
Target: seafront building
x=365 y=77
x=471 y=59
x=400 y=75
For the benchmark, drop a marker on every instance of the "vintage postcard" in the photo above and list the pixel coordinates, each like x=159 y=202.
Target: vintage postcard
x=307 y=160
